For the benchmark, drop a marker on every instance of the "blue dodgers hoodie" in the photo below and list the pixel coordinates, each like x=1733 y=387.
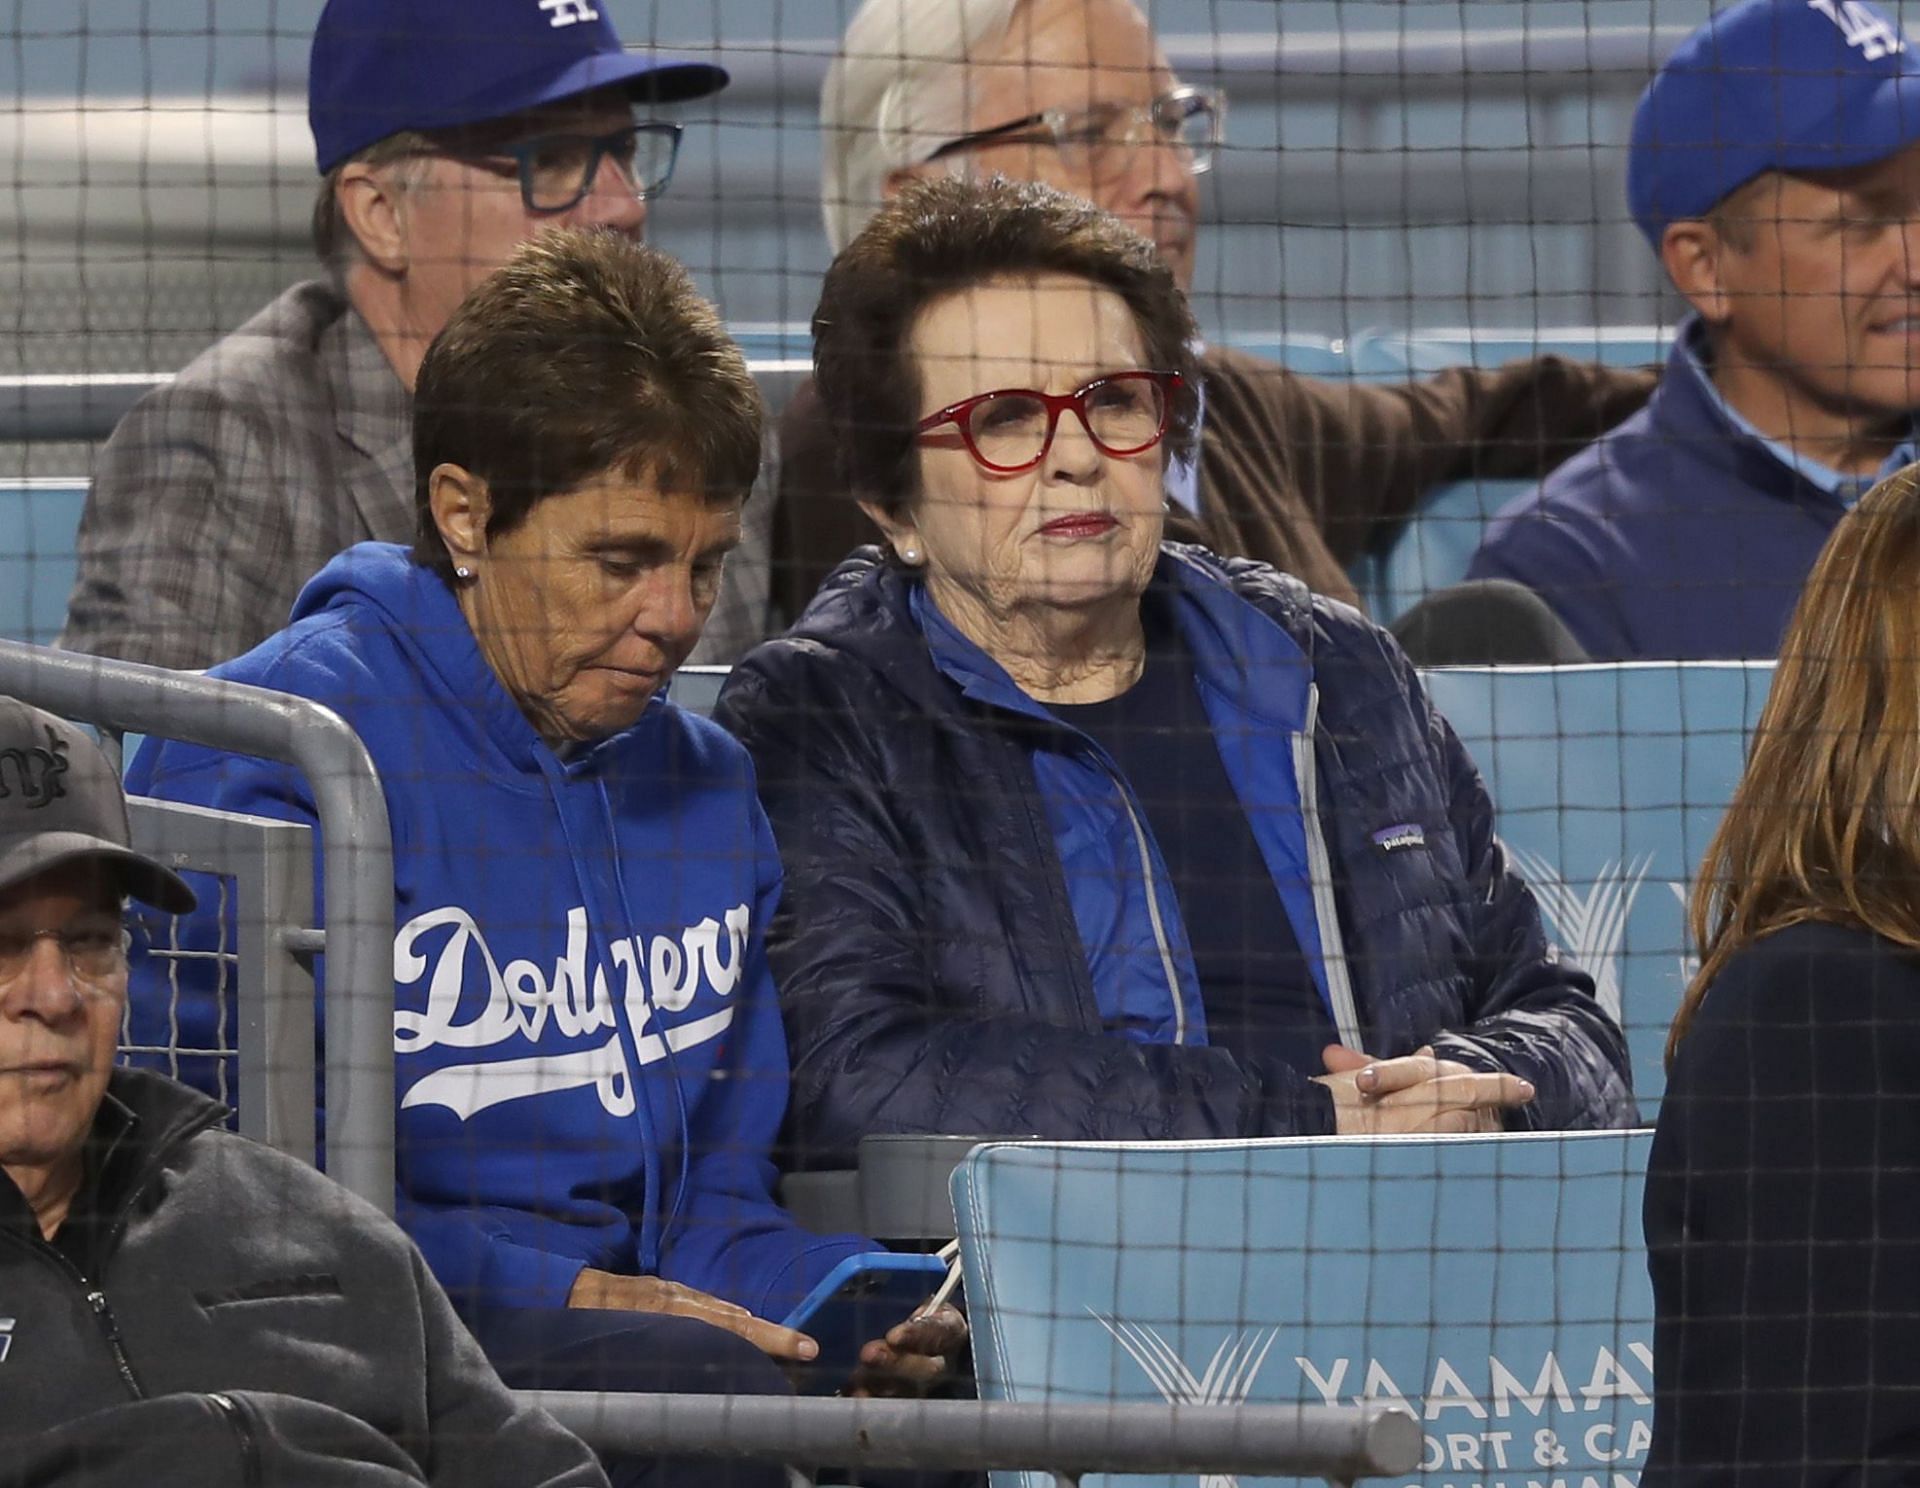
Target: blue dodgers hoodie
x=588 y=1053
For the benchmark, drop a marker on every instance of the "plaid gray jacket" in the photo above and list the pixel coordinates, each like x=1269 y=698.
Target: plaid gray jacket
x=222 y=493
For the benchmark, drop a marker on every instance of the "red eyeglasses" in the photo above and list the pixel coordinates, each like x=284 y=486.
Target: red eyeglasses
x=1011 y=429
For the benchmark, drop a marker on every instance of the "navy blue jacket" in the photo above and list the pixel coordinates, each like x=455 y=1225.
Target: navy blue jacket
x=932 y=951
x=1675 y=537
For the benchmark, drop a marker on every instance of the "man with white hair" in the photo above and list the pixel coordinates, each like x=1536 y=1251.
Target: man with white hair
x=1077 y=94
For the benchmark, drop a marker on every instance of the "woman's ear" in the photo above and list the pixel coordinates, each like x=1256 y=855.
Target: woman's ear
x=901 y=534
x=1693 y=253
x=461 y=504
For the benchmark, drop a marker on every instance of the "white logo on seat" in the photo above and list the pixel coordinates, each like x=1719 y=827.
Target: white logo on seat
x=6 y=1338
x=1228 y=1379
x=568 y=12
x=1863 y=26
x=1591 y=926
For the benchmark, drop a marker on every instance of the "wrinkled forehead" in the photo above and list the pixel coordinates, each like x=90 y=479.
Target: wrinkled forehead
x=1049 y=332
x=1067 y=54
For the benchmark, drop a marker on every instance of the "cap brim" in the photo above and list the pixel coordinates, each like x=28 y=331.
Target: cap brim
x=142 y=878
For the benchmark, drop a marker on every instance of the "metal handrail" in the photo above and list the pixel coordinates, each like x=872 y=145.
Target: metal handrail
x=357 y=854
x=1065 y=1439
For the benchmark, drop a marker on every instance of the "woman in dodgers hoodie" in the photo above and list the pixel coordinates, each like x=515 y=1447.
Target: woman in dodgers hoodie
x=588 y=1052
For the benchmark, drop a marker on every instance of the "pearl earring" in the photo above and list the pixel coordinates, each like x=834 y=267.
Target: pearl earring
x=463 y=572
x=910 y=555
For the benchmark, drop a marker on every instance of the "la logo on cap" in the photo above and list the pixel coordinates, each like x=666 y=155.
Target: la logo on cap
x=1861 y=24
x=568 y=12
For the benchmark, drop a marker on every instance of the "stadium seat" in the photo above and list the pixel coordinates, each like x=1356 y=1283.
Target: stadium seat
x=1433 y=549
x=1609 y=781
x=1494 y=1285
x=39 y=522
x=697 y=688
x=1387 y=352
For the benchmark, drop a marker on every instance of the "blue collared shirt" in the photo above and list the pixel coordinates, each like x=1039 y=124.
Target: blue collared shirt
x=1847 y=489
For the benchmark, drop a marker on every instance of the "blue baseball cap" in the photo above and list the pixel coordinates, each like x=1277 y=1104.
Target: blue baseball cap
x=1789 y=85
x=381 y=66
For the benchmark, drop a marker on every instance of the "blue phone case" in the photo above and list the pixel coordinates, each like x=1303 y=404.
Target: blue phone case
x=859 y=1300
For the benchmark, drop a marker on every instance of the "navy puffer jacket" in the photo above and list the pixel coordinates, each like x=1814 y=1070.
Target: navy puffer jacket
x=927 y=953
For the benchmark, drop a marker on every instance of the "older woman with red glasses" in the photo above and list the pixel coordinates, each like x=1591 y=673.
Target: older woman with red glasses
x=1090 y=835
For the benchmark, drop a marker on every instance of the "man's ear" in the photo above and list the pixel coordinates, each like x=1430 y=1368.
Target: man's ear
x=368 y=199
x=1694 y=255
x=461 y=504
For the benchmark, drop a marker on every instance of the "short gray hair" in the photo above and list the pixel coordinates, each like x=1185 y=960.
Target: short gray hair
x=895 y=93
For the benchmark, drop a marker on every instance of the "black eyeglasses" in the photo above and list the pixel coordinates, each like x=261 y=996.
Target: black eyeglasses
x=1011 y=429
x=557 y=170
x=1189 y=119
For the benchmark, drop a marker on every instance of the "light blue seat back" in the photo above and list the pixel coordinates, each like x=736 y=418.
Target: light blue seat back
x=1432 y=551
x=1609 y=782
x=1495 y=1285
x=697 y=688
x=1386 y=352
x=39 y=521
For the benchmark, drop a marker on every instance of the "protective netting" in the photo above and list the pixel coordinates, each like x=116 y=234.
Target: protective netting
x=1250 y=1012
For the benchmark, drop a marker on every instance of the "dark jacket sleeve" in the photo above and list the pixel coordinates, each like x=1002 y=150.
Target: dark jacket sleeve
x=229 y=1439
x=879 y=1043
x=481 y=1436
x=1536 y=1015
x=1363 y=454
x=1559 y=552
x=1783 y=1222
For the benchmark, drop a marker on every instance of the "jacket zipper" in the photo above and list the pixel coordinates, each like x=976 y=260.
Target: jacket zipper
x=1333 y=952
x=110 y=1330
x=1167 y=967
x=242 y=1429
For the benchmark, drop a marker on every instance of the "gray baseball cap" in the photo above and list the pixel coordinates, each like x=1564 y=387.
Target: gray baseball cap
x=60 y=801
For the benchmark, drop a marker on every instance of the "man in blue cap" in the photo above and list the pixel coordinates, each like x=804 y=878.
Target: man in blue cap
x=1774 y=167
x=446 y=133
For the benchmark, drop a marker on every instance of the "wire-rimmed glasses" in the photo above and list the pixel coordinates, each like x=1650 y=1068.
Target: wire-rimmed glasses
x=1191 y=120
x=1010 y=430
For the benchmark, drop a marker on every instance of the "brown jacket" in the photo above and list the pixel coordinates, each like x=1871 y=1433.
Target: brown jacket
x=1297 y=472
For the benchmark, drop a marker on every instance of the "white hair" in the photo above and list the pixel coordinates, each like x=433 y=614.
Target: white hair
x=895 y=92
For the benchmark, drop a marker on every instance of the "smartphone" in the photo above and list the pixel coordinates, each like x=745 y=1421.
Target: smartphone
x=857 y=1301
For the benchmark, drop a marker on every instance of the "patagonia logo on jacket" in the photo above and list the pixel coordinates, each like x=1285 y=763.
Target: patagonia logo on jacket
x=526 y=1006
x=1400 y=837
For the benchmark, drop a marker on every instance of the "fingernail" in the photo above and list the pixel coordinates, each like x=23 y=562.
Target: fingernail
x=1526 y=1089
x=808 y=1348
x=1368 y=1077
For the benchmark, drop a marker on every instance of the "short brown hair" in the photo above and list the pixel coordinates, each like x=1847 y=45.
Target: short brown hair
x=586 y=352
x=942 y=237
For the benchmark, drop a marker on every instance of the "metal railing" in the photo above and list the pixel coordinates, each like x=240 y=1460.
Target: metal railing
x=357 y=859
x=264 y=973
x=1066 y=1441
